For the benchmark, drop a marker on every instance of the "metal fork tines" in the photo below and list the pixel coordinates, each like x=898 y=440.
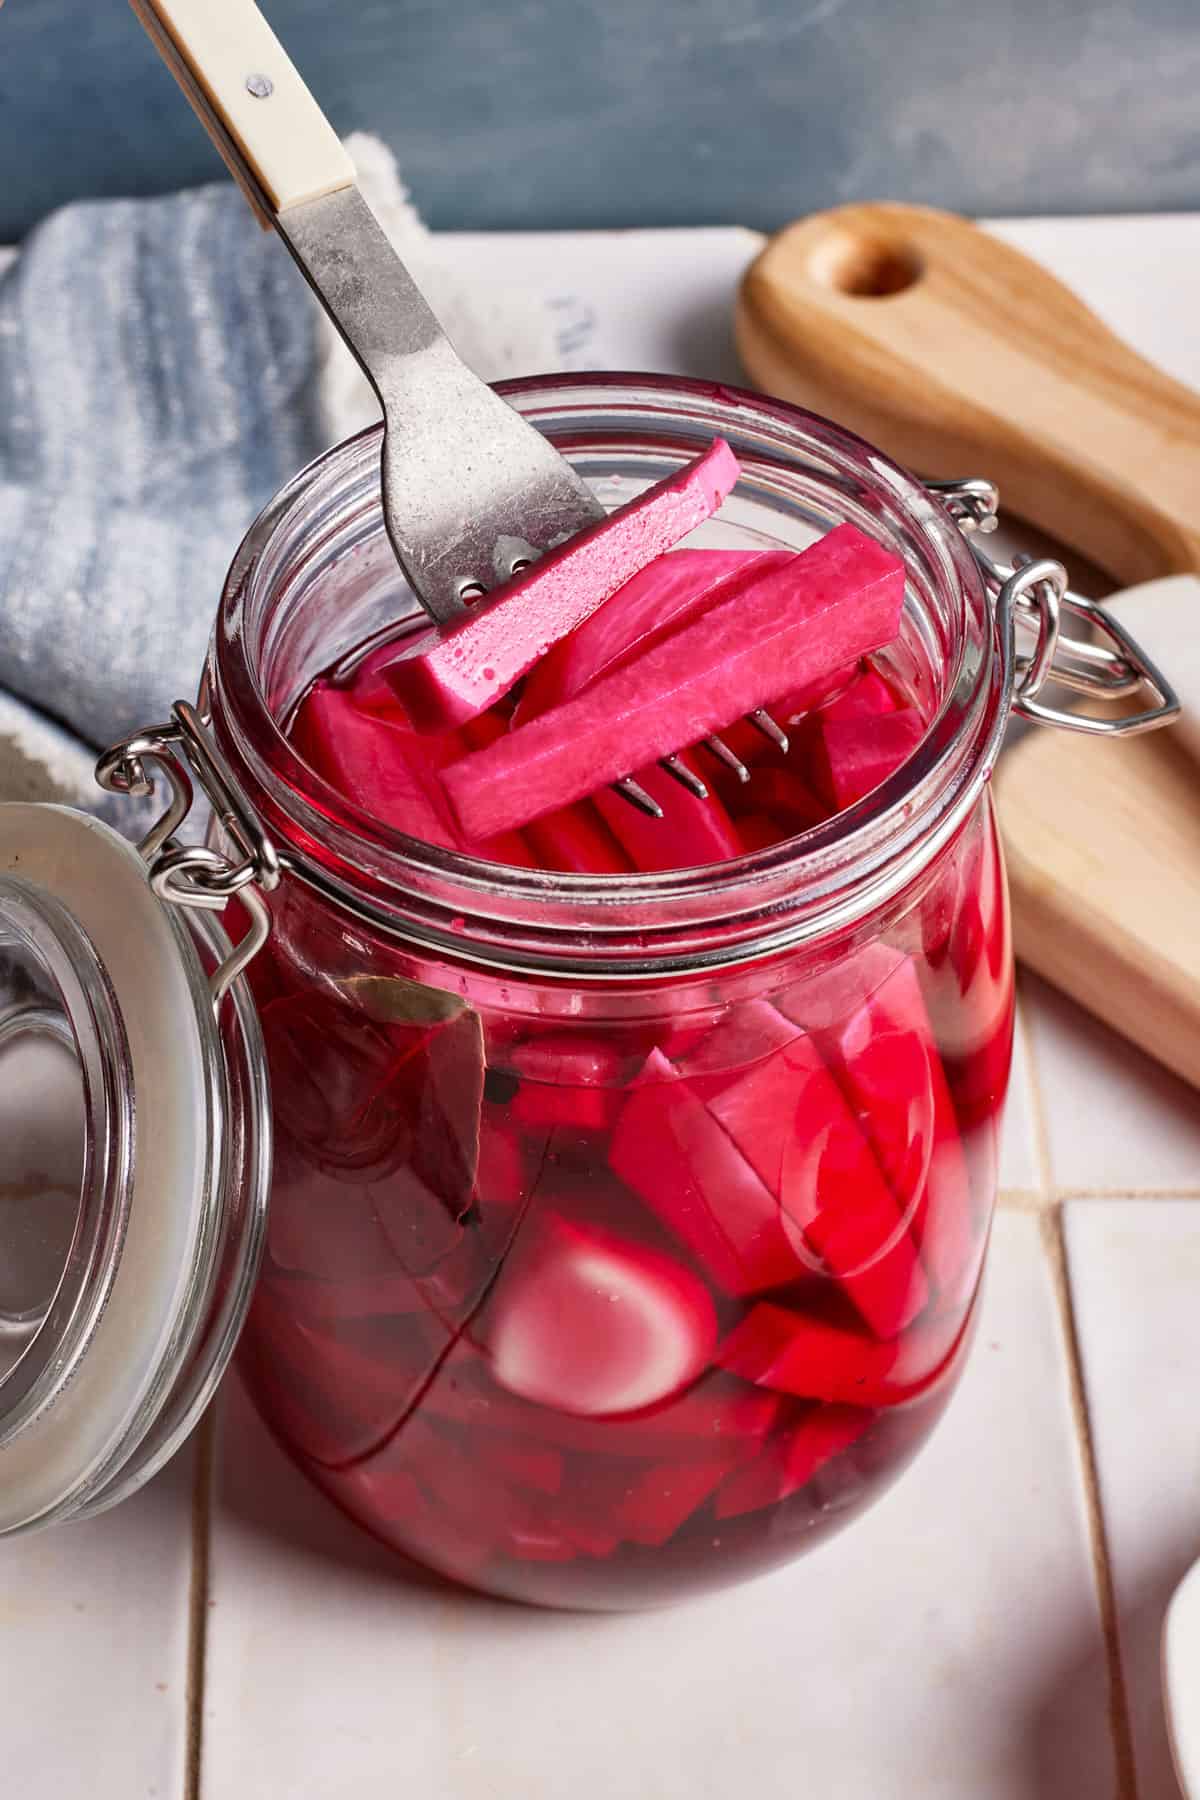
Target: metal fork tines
x=471 y=489
x=636 y=794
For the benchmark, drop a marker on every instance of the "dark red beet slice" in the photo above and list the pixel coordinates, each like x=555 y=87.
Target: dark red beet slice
x=853 y=756
x=576 y=841
x=526 y=1465
x=889 y=1068
x=538 y=1106
x=789 y=801
x=699 y=1423
x=841 y=596
x=662 y=1498
x=503 y=1182
x=789 y=1463
x=388 y=771
x=789 y=1121
x=590 y=1323
x=690 y=832
x=394 y=1504
x=758 y=831
x=670 y=590
x=866 y=697
x=668 y=1147
x=479 y=1507
x=367 y=685
x=338 y=1390
x=814 y=1359
x=457 y=671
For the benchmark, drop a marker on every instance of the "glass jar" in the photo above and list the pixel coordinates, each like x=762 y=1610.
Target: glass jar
x=624 y=1237
x=625 y=1233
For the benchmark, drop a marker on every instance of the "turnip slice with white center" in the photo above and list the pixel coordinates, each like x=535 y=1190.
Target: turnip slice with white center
x=457 y=671
x=840 y=598
x=593 y=1324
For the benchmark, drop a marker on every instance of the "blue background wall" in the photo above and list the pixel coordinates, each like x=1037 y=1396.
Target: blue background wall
x=624 y=112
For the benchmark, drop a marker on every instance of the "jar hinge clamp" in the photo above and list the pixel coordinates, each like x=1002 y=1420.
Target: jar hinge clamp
x=1097 y=658
x=194 y=875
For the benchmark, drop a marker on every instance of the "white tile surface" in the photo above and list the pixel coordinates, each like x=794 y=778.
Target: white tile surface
x=1135 y=1282
x=1115 y=1120
x=946 y=1646
x=628 y=299
x=93 y=1652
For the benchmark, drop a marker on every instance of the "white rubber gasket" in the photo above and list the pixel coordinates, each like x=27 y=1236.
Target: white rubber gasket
x=101 y=881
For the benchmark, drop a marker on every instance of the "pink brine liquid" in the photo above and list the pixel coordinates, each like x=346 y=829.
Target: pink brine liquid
x=597 y=1305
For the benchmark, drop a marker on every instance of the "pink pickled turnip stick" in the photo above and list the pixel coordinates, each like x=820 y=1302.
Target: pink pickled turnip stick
x=667 y=593
x=838 y=599
x=458 y=671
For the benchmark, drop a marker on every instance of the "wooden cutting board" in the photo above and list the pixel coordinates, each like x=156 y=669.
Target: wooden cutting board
x=961 y=356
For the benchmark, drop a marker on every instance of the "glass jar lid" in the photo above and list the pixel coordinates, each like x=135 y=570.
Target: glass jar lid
x=134 y=1155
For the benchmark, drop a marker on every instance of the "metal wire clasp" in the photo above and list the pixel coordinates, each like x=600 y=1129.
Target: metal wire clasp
x=1097 y=657
x=194 y=875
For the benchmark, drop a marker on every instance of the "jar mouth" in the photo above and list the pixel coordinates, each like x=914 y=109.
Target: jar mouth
x=801 y=474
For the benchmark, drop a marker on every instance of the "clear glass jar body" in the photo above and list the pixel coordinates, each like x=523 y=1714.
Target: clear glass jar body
x=624 y=1239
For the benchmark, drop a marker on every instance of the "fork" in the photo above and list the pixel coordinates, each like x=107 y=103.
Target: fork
x=472 y=492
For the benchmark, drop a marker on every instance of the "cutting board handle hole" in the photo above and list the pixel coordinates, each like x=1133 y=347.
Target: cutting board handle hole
x=853 y=262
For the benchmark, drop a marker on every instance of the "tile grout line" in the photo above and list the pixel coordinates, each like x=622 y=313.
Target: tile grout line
x=1016 y=1199
x=1050 y=1228
x=1120 y=1723
x=1023 y=1200
x=1128 y=1192
x=198 y=1604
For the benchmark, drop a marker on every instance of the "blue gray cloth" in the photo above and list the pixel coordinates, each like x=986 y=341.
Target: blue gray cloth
x=157 y=384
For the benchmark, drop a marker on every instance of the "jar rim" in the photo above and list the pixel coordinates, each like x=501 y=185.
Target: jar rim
x=605 y=925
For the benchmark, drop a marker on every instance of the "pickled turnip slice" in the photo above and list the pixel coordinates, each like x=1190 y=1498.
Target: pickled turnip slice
x=594 y=1324
x=457 y=671
x=839 y=598
x=669 y=591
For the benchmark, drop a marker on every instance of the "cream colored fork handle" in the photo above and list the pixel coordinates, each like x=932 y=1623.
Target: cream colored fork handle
x=470 y=488
x=251 y=99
